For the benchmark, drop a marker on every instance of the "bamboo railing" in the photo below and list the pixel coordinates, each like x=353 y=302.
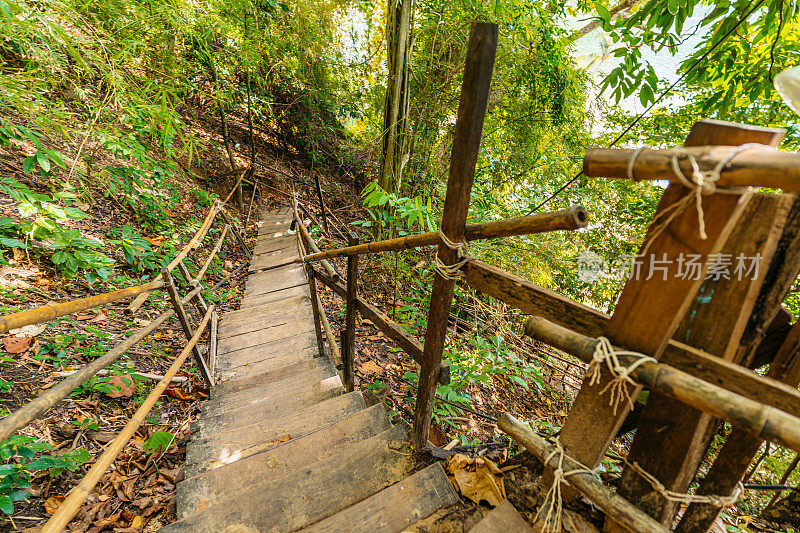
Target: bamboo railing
x=41 y=404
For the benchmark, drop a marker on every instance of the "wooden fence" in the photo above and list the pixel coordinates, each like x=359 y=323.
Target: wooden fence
x=205 y=363
x=691 y=341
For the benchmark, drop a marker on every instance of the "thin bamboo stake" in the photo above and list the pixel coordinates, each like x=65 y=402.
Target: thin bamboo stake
x=243 y=171
x=613 y=505
x=236 y=234
x=67 y=510
x=312 y=245
x=191 y=245
x=762 y=421
x=211 y=256
x=756 y=166
x=39 y=405
x=50 y=312
x=250 y=208
x=567 y=219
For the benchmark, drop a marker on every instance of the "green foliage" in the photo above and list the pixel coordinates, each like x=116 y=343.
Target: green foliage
x=392 y=214
x=73 y=252
x=159 y=441
x=16 y=470
x=138 y=251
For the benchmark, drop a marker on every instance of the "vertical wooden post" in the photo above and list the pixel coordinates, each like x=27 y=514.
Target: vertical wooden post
x=349 y=333
x=212 y=342
x=649 y=312
x=236 y=234
x=466 y=142
x=316 y=303
x=198 y=298
x=714 y=322
x=250 y=208
x=187 y=327
x=321 y=204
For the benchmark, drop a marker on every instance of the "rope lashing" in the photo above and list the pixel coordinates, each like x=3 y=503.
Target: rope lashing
x=452 y=272
x=699 y=183
x=552 y=507
x=605 y=354
x=671 y=495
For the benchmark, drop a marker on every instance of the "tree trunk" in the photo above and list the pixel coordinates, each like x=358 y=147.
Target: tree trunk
x=394 y=154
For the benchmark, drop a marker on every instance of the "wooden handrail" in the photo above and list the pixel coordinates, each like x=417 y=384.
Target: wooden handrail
x=624 y=512
x=50 y=312
x=567 y=219
x=191 y=245
x=752 y=167
x=758 y=419
x=390 y=328
x=67 y=510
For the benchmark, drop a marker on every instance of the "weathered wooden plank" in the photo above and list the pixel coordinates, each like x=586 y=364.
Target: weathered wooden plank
x=305 y=496
x=533 y=299
x=477 y=77
x=252 y=368
x=502 y=519
x=273 y=407
x=272 y=260
x=265 y=316
x=270 y=334
x=263 y=379
x=396 y=507
x=281 y=349
x=649 y=311
x=207 y=453
x=195 y=493
x=714 y=323
x=275 y=296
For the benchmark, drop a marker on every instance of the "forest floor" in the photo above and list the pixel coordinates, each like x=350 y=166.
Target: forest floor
x=136 y=494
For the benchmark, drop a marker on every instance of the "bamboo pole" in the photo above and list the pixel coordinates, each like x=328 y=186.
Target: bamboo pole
x=312 y=245
x=187 y=326
x=67 y=510
x=236 y=234
x=50 y=312
x=191 y=245
x=756 y=166
x=613 y=505
x=39 y=405
x=198 y=298
x=567 y=219
x=212 y=342
x=762 y=421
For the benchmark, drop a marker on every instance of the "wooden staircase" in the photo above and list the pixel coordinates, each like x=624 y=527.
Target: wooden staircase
x=281 y=446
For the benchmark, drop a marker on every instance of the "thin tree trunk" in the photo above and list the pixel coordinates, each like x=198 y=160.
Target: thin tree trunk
x=620 y=10
x=394 y=154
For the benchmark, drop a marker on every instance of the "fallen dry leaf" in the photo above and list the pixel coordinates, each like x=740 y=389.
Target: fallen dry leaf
x=136 y=522
x=477 y=479
x=369 y=368
x=177 y=392
x=30 y=330
x=156 y=241
x=52 y=503
x=125 y=384
x=17 y=344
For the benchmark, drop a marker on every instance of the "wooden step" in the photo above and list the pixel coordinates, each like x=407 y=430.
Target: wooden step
x=195 y=493
x=265 y=378
x=502 y=519
x=395 y=508
x=312 y=493
x=206 y=453
x=291 y=329
x=272 y=408
x=238 y=370
x=272 y=260
x=268 y=350
x=275 y=243
x=246 y=320
x=272 y=297
x=286 y=329
x=275 y=279
x=315 y=379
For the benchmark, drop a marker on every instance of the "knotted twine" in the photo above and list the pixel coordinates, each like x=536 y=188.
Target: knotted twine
x=452 y=272
x=552 y=510
x=604 y=353
x=699 y=183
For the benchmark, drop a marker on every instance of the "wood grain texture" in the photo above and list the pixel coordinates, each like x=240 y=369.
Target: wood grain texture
x=305 y=496
x=502 y=519
x=714 y=322
x=481 y=51
x=215 y=485
x=649 y=311
x=396 y=507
